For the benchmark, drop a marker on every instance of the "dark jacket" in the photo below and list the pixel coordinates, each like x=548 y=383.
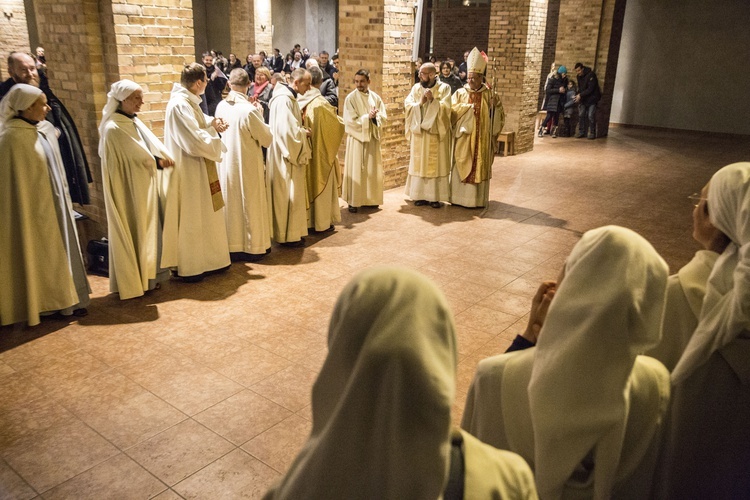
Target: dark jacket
x=588 y=87
x=213 y=91
x=453 y=80
x=330 y=92
x=555 y=100
x=277 y=64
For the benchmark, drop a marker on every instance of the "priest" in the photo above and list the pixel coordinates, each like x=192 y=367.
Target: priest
x=477 y=118
x=242 y=171
x=195 y=233
x=428 y=126
x=364 y=119
x=132 y=161
x=324 y=171
x=41 y=267
x=288 y=157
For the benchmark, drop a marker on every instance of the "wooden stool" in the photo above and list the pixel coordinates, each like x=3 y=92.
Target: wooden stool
x=509 y=143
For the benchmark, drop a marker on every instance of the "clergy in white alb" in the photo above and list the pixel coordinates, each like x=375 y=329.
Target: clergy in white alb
x=364 y=119
x=41 y=267
x=195 y=232
x=477 y=118
x=428 y=127
x=582 y=407
x=132 y=157
x=287 y=161
x=242 y=171
x=324 y=171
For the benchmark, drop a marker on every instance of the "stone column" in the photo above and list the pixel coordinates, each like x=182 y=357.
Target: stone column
x=90 y=44
x=377 y=35
x=264 y=27
x=516 y=43
x=241 y=32
x=590 y=32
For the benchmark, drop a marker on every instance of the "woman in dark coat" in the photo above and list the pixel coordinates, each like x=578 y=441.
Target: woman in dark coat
x=447 y=76
x=556 y=89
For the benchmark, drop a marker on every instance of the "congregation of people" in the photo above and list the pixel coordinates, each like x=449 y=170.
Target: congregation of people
x=563 y=98
x=626 y=383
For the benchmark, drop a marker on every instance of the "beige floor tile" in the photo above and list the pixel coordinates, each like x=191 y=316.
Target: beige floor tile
x=279 y=445
x=23 y=423
x=179 y=451
x=59 y=371
x=58 y=453
x=507 y=302
x=168 y=495
x=12 y=486
x=118 y=477
x=235 y=475
x=485 y=319
x=250 y=365
x=186 y=385
x=18 y=389
x=291 y=387
x=243 y=416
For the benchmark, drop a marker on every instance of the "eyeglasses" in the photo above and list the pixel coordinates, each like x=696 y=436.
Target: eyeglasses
x=696 y=199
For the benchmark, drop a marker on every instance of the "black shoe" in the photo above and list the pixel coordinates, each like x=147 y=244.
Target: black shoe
x=579 y=136
x=294 y=244
x=541 y=131
x=217 y=271
x=436 y=204
x=421 y=203
x=352 y=209
x=192 y=279
x=592 y=137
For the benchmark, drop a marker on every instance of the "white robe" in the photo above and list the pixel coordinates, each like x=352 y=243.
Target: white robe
x=131 y=196
x=41 y=268
x=287 y=161
x=363 y=167
x=581 y=405
x=242 y=175
x=195 y=236
x=429 y=128
x=685 y=292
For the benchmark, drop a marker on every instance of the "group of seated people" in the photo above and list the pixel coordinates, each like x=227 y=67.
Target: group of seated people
x=628 y=383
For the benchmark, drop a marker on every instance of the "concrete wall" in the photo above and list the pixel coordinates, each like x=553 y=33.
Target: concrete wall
x=310 y=23
x=683 y=65
x=212 y=27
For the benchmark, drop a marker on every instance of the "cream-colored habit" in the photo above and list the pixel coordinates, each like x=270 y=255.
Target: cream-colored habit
x=382 y=403
x=128 y=151
x=582 y=399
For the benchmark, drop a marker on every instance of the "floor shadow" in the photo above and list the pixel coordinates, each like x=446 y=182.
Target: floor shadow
x=505 y=211
x=438 y=216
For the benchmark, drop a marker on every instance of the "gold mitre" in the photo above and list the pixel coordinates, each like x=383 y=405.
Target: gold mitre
x=477 y=61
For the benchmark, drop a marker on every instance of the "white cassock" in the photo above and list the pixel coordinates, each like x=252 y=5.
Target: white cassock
x=287 y=161
x=131 y=196
x=41 y=267
x=363 y=167
x=195 y=236
x=242 y=175
x=429 y=128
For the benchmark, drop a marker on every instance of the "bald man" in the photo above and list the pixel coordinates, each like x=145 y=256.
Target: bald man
x=22 y=69
x=428 y=126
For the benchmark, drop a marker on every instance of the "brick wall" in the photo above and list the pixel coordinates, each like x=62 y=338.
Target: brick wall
x=14 y=33
x=241 y=21
x=91 y=44
x=516 y=41
x=590 y=32
x=458 y=29
x=377 y=35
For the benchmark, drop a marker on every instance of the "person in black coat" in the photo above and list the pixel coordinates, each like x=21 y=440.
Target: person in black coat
x=277 y=62
x=447 y=76
x=217 y=80
x=588 y=96
x=556 y=88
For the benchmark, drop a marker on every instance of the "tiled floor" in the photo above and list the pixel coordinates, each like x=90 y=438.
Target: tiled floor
x=203 y=390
